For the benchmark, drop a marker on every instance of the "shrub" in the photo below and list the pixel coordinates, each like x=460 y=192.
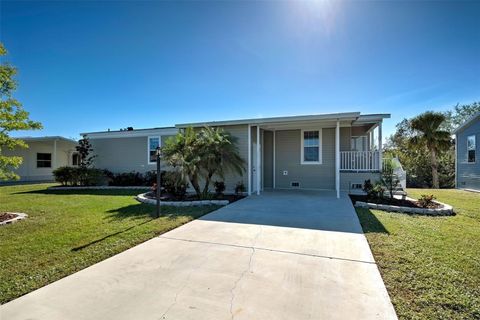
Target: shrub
x=373 y=191
x=74 y=176
x=150 y=177
x=219 y=187
x=175 y=184
x=127 y=179
x=63 y=175
x=240 y=188
x=426 y=200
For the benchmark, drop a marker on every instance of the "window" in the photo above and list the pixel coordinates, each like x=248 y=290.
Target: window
x=153 y=144
x=311 y=147
x=75 y=159
x=358 y=143
x=471 y=148
x=44 y=160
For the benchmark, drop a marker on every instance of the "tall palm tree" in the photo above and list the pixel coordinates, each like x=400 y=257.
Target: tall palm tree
x=427 y=133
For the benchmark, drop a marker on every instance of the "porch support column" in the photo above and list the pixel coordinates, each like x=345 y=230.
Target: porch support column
x=380 y=151
x=54 y=155
x=337 y=158
x=258 y=160
x=274 y=170
x=249 y=162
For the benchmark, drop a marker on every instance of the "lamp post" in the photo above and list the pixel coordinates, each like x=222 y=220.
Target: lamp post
x=158 y=154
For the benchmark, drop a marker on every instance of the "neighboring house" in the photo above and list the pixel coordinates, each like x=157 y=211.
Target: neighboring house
x=327 y=151
x=467 y=172
x=43 y=155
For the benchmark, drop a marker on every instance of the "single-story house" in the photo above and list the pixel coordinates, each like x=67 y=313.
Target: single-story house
x=43 y=155
x=467 y=171
x=325 y=151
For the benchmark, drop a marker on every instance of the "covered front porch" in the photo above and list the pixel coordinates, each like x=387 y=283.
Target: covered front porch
x=314 y=154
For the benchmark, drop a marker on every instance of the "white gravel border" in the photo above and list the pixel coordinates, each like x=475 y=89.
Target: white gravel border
x=444 y=210
x=143 y=199
x=20 y=216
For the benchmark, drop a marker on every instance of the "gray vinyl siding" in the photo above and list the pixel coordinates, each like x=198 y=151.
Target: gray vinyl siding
x=240 y=133
x=267 y=159
x=310 y=176
x=349 y=178
x=468 y=174
x=123 y=154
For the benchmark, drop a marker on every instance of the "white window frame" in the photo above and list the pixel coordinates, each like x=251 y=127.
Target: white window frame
x=302 y=161
x=475 y=149
x=148 y=147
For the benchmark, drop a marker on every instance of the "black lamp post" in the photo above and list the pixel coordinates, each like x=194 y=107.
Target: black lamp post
x=158 y=154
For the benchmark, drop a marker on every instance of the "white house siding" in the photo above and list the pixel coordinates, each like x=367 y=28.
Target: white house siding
x=28 y=170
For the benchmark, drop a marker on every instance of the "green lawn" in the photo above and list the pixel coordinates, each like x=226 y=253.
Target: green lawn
x=430 y=265
x=69 y=230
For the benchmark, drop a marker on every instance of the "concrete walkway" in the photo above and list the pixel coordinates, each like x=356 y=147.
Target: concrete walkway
x=281 y=255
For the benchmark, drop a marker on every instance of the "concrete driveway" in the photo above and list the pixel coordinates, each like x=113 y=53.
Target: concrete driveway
x=281 y=255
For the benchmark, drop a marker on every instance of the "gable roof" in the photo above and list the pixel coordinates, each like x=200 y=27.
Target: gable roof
x=468 y=122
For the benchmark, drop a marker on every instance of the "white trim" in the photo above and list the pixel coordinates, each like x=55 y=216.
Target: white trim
x=148 y=147
x=320 y=142
x=274 y=158
x=263 y=158
x=380 y=151
x=249 y=169
x=54 y=160
x=132 y=133
x=337 y=159
x=474 y=149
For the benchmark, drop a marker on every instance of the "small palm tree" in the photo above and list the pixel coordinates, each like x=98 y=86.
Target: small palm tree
x=181 y=152
x=202 y=154
x=220 y=155
x=428 y=133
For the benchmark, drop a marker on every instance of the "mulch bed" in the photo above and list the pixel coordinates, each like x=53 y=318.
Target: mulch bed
x=167 y=197
x=4 y=216
x=393 y=202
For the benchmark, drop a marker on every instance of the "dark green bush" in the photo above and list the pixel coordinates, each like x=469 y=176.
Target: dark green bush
x=240 y=188
x=175 y=184
x=219 y=187
x=78 y=176
x=64 y=175
x=127 y=179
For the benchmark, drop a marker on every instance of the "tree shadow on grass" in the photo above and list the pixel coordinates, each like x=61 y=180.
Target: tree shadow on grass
x=93 y=192
x=109 y=236
x=141 y=211
x=135 y=211
x=369 y=222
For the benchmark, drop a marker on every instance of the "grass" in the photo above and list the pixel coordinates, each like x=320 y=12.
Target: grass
x=67 y=231
x=430 y=265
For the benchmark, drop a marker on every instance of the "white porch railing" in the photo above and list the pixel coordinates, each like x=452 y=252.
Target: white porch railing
x=360 y=160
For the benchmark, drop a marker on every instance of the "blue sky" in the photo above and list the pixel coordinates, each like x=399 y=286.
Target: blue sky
x=89 y=66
